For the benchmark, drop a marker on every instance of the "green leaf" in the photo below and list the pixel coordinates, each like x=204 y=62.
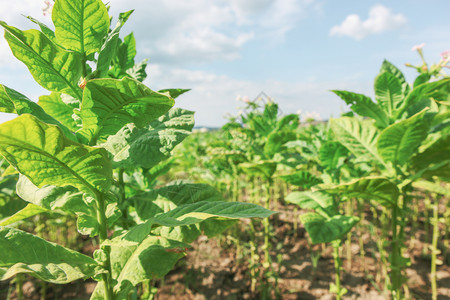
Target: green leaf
x=138 y=71
x=49 y=197
x=399 y=141
x=388 y=93
x=28 y=211
x=155 y=202
x=80 y=25
x=109 y=104
x=359 y=137
x=302 y=179
x=325 y=230
x=319 y=201
x=388 y=67
x=193 y=213
x=43 y=154
x=59 y=110
x=332 y=155
x=371 y=188
x=54 y=68
x=44 y=28
x=290 y=122
x=259 y=168
x=127 y=52
x=432 y=187
x=276 y=140
x=422 y=78
x=434 y=160
x=364 y=106
x=174 y=93
x=25 y=253
x=109 y=47
x=17 y=103
x=133 y=263
x=421 y=92
x=146 y=147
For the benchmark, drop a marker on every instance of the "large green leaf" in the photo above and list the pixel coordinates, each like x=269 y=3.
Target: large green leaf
x=276 y=140
x=14 y=102
x=388 y=92
x=364 y=106
x=54 y=68
x=259 y=168
x=146 y=147
x=319 y=201
x=127 y=52
x=389 y=67
x=43 y=154
x=434 y=160
x=110 y=104
x=197 y=212
x=138 y=72
x=359 y=137
x=44 y=28
x=423 y=91
x=28 y=211
x=66 y=198
x=332 y=155
x=54 y=106
x=371 y=188
x=80 y=25
x=325 y=230
x=155 y=202
x=109 y=47
x=132 y=263
x=433 y=187
x=303 y=179
x=399 y=141
x=25 y=253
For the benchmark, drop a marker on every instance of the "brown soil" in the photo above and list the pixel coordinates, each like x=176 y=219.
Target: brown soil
x=218 y=268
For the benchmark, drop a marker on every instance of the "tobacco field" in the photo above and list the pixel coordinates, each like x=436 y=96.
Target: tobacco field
x=107 y=193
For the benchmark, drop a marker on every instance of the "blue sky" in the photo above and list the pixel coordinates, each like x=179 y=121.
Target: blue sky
x=293 y=50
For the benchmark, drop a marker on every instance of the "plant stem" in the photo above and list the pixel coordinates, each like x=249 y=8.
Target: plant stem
x=43 y=290
x=434 y=249
x=19 y=284
x=395 y=271
x=337 y=268
x=267 y=259
x=103 y=235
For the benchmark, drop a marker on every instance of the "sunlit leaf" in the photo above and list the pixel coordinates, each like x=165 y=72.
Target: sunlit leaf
x=25 y=253
x=80 y=25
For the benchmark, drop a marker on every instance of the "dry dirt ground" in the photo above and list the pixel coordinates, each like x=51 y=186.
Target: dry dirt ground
x=218 y=269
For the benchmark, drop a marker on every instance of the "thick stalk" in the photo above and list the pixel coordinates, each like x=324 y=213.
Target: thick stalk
x=252 y=257
x=337 y=268
x=122 y=198
x=19 y=285
x=434 y=249
x=267 y=259
x=395 y=268
x=103 y=235
x=348 y=242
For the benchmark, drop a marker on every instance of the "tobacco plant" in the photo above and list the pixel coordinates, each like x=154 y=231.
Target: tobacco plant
x=93 y=148
x=403 y=138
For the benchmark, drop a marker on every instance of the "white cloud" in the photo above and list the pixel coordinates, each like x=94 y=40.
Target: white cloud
x=213 y=96
x=200 y=31
x=380 y=19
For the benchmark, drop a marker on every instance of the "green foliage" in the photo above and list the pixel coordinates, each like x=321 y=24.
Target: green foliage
x=45 y=260
x=93 y=149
